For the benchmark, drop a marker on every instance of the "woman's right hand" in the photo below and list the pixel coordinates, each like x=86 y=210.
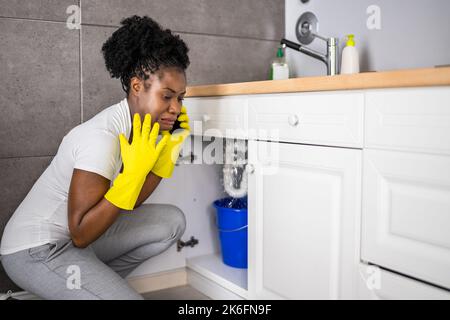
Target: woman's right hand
x=140 y=156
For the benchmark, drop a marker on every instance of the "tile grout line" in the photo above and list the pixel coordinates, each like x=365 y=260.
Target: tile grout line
x=226 y=36
x=81 y=65
x=31 y=19
x=24 y=157
x=175 y=31
x=194 y=33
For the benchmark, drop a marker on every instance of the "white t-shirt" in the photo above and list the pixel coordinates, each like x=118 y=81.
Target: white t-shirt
x=92 y=146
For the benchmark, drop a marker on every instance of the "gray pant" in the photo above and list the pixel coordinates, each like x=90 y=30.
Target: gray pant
x=51 y=271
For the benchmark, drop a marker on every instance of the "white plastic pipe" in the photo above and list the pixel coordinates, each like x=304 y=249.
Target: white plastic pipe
x=234 y=173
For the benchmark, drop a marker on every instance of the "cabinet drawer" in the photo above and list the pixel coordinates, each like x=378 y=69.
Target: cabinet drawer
x=409 y=119
x=218 y=117
x=380 y=284
x=406 y=214
x=331 y=119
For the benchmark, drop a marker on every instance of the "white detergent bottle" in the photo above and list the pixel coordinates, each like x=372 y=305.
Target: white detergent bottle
x=279 y=68
x=350 y=57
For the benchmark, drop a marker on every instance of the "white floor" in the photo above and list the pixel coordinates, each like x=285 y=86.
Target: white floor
x=177 y=293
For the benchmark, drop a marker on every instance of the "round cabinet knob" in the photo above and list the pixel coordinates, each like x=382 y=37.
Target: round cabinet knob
x=293 y=120
x=206 y=118
x=250 y=168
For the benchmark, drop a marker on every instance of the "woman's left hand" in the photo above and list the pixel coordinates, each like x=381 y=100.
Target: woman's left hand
x=165 y=164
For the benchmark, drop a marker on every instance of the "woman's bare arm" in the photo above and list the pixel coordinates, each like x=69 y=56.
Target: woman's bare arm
x=89 y=213
x=151 y=182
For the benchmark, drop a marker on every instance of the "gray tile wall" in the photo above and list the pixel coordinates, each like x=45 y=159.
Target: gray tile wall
x=54 y=78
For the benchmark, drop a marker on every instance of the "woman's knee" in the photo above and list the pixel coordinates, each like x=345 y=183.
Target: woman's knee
x=161 y=221
x=177 y=219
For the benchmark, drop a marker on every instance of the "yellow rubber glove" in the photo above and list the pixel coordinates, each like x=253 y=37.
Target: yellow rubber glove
x=138 y=159
x=165 y=164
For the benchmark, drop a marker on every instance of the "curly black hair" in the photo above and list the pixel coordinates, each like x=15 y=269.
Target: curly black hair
x=140 y=46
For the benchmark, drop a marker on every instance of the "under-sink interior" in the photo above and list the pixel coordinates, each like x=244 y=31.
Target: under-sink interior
x=194 y=187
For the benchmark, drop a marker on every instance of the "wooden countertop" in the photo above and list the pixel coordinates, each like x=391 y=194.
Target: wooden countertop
x=371 y=80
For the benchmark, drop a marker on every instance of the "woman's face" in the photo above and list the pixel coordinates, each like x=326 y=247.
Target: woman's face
x=162 y=97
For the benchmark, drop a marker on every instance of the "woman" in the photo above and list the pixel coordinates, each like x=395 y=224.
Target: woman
x=71 y=237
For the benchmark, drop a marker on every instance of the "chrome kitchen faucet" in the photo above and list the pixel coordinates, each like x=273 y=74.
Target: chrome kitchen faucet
x=306 y=30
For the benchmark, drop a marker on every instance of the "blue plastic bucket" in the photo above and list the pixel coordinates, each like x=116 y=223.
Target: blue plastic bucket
x=233 y=227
